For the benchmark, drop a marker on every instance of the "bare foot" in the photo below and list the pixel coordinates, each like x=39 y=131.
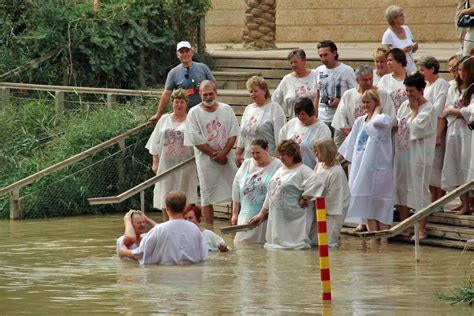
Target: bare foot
x=405 y=233
x=456 y=208
x=421 y=236
x=360 y=228
x=463 y=212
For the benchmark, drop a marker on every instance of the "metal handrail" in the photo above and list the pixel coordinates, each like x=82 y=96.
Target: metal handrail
x=140 y=187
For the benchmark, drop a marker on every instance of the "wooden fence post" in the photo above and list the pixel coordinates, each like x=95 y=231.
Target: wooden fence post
x=5 y=96
x=111 y=100
x=16 y=212
x=59 y=101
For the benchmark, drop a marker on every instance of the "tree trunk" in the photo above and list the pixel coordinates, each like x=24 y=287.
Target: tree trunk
x=260 y=17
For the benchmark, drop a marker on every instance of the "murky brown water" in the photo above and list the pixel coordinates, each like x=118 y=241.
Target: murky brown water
x=68 y=265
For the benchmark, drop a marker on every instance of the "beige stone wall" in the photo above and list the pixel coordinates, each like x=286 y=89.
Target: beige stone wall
x=339 y=20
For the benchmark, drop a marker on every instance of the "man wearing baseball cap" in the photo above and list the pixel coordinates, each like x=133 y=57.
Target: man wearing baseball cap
x=187 y=76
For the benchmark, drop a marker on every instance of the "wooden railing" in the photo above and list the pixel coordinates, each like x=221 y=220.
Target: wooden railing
x=415 y=218
x=140 y=188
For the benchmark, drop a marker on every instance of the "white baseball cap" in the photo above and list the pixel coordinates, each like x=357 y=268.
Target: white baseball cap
x=183 y=44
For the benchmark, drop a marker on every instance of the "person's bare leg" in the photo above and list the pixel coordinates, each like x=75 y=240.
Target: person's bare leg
x=404 y=211
x=422 y=229
x=381 y=226
x=464 y=204
x=208 y=213
x=372 y=226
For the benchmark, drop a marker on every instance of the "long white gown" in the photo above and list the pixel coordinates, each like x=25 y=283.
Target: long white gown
x=291 y=89
x=214 y=129
x=436 y=93
x=350 y=108
x=262 y=122
x=288 y=225
x=369 y=149
x=167 y=141
x=458 y=145
x=468 y=114
x=249 y=189
x=305 y=136
x=414 y=155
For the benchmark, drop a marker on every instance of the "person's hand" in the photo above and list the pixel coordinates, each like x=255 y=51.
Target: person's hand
x=445 y=113
x=122 y=252
x=303 y=202
x=238 y=160
x=257 y=219
x=222 y=248
x=334 y=102
x=219 y=157
x=438 y=140
x=155 y=118
x=407 y=49
x=233 y=219
x=127 y=218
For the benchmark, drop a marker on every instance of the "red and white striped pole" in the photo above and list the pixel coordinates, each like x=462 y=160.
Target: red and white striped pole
x=323 y=248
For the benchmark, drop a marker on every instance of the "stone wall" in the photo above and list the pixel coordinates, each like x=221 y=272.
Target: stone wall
x=339 y=20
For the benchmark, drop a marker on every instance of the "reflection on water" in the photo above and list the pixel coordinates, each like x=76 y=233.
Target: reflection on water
x=69 y=264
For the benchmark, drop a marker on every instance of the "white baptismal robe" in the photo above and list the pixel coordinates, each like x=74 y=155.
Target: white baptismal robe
x=369 y=149
x=305 y=136
x=414 y=155
x=171 y=243
x=214 y=129
x=261 y=122
x=167 y=141
x=436 y=93
x=288 y=225
x=395 y=88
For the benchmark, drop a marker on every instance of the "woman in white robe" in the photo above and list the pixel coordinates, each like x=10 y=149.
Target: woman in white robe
x=305 y=129
x=329 y=181
x=458 y=136
x=414 y=151
x=250 y=188
x=436 y=92
x=369 y=149
x=288 y=224
x=262 y=119
x=301 y=83
x=166 y=144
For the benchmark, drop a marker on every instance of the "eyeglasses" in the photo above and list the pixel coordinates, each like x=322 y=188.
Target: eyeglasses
x=186 y=75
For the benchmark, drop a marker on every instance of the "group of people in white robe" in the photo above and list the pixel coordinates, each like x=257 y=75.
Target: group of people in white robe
x=402 y=135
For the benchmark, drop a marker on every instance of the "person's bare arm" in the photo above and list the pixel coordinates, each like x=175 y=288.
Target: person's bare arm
x=316 y=102
x=156 y=163
x=221 y=156
x=129 y=235
x=208 y=150
x=235 y=213
x=239 y=151
x=165 y=98
x=124 y=252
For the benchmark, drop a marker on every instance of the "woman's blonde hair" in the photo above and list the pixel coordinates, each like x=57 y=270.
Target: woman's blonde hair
x=179 y=94
x=381 y=52
x=371 y=94
x=258 y=82
x=327 y=151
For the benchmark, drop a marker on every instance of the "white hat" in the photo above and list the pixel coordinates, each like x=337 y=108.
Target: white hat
x=183 y=44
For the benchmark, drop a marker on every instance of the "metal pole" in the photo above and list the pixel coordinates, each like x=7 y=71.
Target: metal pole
x=142 y=201
x=416 y=227
x=324 y=266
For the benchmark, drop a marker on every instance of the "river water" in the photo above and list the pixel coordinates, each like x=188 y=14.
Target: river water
x=68 y=265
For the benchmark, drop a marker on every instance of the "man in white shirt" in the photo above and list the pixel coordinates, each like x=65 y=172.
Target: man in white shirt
x=174 y=242
x=212 y=128
x=350 y=105
x=333 y=79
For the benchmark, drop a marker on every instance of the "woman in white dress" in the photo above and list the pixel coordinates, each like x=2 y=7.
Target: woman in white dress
x=305 y=129
x=369 y=149
x=458 y=136
x=398 y=35
x=436 y=92
x=262 y=119
x=380 y=62
x=250 y=188
x=330 y=181
x=393 y=82
x=288 y=224
x=166 y=146
x=296 y=85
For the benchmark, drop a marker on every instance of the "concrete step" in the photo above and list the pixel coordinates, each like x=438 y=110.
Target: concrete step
x=233 y=79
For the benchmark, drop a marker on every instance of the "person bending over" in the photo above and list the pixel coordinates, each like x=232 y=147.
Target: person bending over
x=174 y=242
